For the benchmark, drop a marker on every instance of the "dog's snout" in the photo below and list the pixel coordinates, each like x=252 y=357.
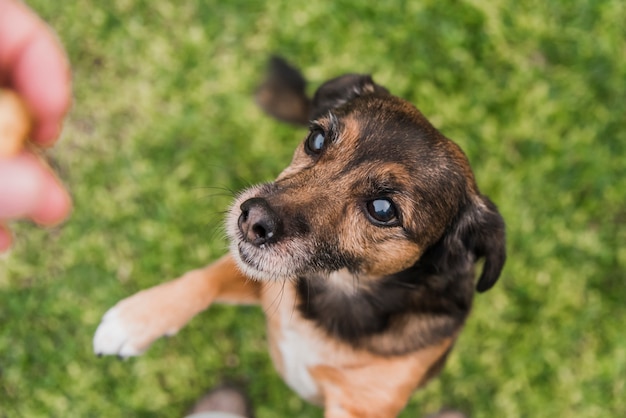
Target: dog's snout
x=258 y=222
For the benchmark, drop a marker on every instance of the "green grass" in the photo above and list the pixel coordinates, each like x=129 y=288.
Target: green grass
x=164 y=126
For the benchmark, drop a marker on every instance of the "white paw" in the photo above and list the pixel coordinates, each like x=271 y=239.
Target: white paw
x=114 y=336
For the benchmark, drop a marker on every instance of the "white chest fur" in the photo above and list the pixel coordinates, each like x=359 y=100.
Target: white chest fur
x=295 y=345
x=298 y=354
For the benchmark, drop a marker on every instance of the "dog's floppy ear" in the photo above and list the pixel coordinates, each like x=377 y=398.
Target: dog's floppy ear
x=479 y=232
x=338 y=91
x=482 y=231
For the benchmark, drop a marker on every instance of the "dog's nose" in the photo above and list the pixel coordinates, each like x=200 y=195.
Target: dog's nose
x=258 y=222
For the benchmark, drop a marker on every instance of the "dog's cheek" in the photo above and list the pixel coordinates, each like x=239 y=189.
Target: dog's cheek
x=393 y=256
x=382 y=251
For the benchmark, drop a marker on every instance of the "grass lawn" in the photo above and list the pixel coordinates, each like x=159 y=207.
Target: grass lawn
x=164 y=127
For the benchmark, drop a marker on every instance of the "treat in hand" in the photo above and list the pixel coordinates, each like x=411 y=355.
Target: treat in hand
x=14 y=124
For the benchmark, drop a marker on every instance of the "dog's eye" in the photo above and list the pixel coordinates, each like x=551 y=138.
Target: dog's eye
x=315 y=142
x=382 y=211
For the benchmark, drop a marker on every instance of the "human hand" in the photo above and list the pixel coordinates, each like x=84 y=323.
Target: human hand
x=34 y=65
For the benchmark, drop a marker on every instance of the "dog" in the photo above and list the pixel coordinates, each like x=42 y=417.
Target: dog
x=362 y=252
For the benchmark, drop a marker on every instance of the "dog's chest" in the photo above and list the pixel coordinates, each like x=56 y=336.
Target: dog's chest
x=296 y=346
x=298 y=354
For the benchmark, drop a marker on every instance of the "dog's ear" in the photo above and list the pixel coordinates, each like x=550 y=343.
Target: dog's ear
x=483 y=233
x=338 y=91
x=478 y=233
x=283 y=93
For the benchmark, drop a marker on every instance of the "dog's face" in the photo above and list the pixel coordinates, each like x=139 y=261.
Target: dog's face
x=370 y=189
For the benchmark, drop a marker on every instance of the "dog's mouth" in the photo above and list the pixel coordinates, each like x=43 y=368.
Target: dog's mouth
x=278 y=261
x=258 y=242
x=267 y=263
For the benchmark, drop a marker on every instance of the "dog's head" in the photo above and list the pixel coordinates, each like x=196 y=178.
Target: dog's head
x=371 y=189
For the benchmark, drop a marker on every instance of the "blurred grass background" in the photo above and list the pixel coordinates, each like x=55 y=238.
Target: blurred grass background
x=163 y=127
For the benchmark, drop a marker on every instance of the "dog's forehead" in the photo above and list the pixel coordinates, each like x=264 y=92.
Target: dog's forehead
x=385 y=129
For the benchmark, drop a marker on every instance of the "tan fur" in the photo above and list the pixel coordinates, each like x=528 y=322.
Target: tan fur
x=179 y=300
x=365 y=385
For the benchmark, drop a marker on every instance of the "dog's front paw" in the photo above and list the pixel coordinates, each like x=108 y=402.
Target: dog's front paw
x=128 y=328
x=114 y=336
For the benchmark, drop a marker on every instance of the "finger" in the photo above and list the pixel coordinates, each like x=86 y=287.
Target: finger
x=47 y=92
x=32 y=62
x=28 y=189
x=6 y=239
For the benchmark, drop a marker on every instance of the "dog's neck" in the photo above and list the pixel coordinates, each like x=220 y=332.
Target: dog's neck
x=386 y=315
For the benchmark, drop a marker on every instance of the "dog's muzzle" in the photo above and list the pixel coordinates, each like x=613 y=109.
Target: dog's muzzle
x=258 y=223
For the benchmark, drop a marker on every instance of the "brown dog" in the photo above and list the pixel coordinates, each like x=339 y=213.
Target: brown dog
x=362 y=251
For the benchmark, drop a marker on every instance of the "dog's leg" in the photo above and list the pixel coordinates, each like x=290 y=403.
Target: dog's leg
x=134 y=323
